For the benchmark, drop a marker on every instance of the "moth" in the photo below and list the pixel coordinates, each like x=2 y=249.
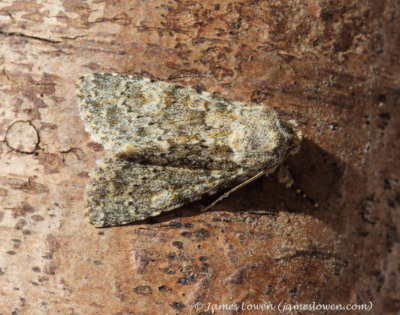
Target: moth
x=171 y=145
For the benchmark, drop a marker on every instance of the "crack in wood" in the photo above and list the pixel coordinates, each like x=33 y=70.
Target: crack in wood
x=22 y=35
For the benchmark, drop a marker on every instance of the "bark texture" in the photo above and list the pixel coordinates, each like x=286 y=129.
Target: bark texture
x=333 y=66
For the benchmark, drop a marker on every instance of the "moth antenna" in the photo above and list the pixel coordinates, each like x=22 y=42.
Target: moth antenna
x=246 y=182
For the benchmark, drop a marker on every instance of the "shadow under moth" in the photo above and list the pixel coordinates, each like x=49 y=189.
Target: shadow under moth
x=171 y=145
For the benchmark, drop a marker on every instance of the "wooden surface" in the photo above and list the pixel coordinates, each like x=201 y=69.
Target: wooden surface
x=332 y=238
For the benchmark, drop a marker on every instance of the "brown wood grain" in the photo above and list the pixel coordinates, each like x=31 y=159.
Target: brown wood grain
x=332 y=238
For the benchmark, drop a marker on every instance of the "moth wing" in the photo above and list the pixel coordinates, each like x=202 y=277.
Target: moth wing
x=121 y=192
x=122 y=109
x=159 y=123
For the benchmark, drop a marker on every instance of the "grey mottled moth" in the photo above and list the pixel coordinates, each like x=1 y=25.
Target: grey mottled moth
x=172 y=145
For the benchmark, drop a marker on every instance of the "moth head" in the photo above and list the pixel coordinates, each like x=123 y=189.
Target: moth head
x=263 y=143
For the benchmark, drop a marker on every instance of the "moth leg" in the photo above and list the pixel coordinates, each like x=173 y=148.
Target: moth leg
x=284 y=176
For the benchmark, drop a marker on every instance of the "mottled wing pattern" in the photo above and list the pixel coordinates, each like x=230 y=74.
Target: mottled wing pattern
x=171 y=145
x=121 y=192
x=164 y=124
